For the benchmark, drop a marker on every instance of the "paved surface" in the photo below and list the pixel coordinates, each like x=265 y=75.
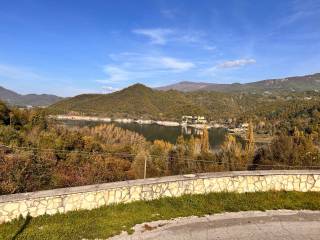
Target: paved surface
x=279 y=225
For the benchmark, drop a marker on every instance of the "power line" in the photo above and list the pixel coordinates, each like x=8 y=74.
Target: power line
x=181 y=160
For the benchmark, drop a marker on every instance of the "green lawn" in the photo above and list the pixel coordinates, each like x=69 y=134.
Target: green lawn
x=108 y=221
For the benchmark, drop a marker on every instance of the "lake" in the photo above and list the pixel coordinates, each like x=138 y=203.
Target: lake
x=154 y=131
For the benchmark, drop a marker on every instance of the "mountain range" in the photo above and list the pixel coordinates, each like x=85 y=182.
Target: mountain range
x=294 y=84
x=139 y=101
x=14 y=98
x=184 y=98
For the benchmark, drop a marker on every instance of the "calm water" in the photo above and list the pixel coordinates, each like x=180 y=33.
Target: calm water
x=154 y=131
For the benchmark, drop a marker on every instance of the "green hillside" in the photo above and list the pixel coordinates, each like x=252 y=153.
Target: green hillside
x=139 y=101
x=136 y=101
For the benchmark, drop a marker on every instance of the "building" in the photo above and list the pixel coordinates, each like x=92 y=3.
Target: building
x=194 y=120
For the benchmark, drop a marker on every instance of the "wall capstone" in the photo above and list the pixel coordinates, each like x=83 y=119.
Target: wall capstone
x=94 y=196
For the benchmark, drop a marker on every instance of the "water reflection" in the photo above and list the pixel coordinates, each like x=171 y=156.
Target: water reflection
x=186 y=130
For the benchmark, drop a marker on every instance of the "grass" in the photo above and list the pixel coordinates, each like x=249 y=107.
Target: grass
x=111 y=220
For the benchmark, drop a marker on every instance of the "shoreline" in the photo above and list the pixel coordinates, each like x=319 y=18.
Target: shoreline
x=129 y=120
x=233 y=131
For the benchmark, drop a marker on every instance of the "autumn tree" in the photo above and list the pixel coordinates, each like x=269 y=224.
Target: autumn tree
x=205 y=141
x=191 y=144
x=232 y=155
x=141 y=162
x=159 y=152
x=250 y=144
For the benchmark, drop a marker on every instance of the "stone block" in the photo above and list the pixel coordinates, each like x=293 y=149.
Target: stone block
x=89 y=197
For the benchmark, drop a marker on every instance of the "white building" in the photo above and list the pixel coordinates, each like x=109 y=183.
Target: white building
x=194 y=120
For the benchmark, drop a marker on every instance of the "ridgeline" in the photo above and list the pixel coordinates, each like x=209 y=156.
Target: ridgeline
x=139 y=101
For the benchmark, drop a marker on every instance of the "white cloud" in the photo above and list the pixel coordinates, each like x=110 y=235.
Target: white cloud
x=157 y=35
x=128 y=67
x=212 y=71
x=110 y=89
x=175 y=64
x=236 y=63
x=162 y=36
x=115 y=74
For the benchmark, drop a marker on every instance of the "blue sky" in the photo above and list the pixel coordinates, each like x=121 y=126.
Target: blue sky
x=70 y=47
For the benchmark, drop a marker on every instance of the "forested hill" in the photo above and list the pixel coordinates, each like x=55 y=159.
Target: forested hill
x=14 y=98
x=135 y=101
x=293 y=84
x=139 y=101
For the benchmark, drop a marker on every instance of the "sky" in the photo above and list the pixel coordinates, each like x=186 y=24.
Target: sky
x=99 y=46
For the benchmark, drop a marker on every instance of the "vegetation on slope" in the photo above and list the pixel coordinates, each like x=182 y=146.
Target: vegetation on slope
x=14 y=98
x=135 y=102
x=108 y=221
x=298 y=84
x=37 y=153
x=139 y=101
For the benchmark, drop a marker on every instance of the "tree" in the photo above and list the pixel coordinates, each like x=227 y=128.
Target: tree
x=38 y=119
x=18 y=118
x=296 y=150
x=10 y=136
x=4 y=114
x=191 y=145
x=232 y=155
x=250 y=144
x=205 y=141
x=25 y=171
x=141 y=161
x=159 y=154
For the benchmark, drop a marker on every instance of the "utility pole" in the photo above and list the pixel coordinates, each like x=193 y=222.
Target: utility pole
x=10 y=118
x=145 y=168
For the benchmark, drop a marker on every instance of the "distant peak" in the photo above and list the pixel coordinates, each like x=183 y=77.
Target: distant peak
x=137 y=86
x=186 y=82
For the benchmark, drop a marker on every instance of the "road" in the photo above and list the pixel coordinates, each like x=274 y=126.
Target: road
x=279 y=225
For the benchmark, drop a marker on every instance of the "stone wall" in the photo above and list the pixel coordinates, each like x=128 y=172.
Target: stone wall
x=93 y=196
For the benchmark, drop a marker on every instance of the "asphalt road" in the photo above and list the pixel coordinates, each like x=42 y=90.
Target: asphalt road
x=279 y=225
